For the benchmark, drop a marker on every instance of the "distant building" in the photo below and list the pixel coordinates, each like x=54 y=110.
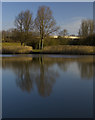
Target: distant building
x=71 y=37
x=55 y=36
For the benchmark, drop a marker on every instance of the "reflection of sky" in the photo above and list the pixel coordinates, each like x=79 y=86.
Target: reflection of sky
x=75 y=92
x=73 y=69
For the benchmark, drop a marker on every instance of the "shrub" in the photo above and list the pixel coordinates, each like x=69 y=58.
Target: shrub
x=34 y=42
x=89 y=40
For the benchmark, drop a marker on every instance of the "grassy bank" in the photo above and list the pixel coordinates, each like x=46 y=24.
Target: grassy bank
x=68 y=49
x=16 y=48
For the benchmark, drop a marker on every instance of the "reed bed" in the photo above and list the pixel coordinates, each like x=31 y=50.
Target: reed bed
x=16 y=48
x=70 y=49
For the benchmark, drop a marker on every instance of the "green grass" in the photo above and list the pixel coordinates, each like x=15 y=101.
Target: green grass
x=15 y=48
x=37 y=50
x=10 y=44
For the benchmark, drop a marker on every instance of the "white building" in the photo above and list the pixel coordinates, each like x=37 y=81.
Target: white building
x=72 y=37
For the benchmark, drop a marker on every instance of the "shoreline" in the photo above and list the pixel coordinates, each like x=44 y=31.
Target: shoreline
x=56 y=50
x=47 y=53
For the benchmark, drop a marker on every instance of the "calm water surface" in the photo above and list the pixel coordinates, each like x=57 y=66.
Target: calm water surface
x=47 y=86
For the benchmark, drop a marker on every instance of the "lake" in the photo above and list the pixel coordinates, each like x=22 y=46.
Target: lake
x=47 y=86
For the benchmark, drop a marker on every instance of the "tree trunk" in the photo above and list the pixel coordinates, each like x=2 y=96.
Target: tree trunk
x=21 y=43
x=41 y=43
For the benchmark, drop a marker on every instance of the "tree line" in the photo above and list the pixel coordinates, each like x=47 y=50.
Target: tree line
x=36 y=32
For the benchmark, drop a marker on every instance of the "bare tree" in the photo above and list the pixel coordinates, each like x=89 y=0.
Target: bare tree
x=3 y=35
x=86 y=28
x=63 y=33
x=28 y=21
x=19 y=21
x=27 y=24
x=19 y=24
x=45 y=23
x=24 y=23
x=91 y=26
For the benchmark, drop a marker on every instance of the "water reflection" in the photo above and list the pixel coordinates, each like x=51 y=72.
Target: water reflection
x=45 y=78
x=24 y=79
x=84 y=65
x=43 y=71
x=86 y=70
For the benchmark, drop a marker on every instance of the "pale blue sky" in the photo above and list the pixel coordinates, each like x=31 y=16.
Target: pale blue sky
x=68 y=15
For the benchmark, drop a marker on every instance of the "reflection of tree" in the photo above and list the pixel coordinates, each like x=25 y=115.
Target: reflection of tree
x=85 y=66
x=33 y=72
x=64 y=66
x=86 y=70
x=20 y=66
x=24 y=80
x=45 y=79
x=40 y=71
